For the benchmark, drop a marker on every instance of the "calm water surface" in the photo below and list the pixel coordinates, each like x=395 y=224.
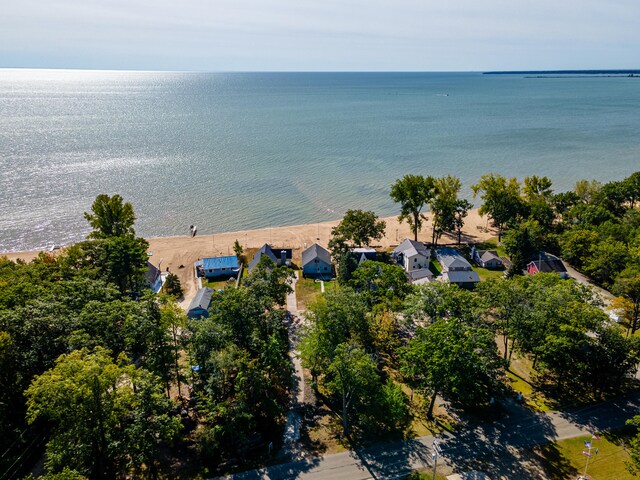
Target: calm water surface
x=236 y=151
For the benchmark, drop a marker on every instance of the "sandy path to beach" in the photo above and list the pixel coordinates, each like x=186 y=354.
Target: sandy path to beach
x=181 y=251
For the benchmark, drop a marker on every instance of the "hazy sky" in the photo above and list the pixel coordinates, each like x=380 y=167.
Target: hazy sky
x=424 y=35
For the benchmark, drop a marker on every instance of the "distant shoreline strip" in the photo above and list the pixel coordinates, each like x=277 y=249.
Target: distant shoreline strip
x=565 y=72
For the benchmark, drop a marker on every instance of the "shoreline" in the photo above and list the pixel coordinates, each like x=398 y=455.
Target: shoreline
x=177 y=253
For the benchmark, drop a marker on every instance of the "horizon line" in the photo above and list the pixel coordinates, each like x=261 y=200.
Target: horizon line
x=557 y=71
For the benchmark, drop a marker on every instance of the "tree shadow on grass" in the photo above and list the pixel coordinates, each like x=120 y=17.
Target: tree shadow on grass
x=555 y=464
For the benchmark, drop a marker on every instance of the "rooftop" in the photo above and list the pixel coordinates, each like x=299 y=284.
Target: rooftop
x=217 y=263
x=313 y=252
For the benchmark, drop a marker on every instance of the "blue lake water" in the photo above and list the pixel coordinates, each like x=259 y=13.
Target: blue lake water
x=233 y=151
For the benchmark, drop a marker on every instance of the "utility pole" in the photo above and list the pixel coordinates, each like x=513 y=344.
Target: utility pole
x=434 y=456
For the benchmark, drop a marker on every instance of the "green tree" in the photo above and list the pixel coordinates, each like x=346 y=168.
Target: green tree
x=352 y=378
x=506 y=301
x=380 y=282
x=607 y=259
x=110 y=217
x=537 y=187
x=173 y=320
x=238 y=250
x=631 y=189
x=587 y=190
x=443 y=206
x=501 y=199
x=123 y=262
x=105 y=415
x=172 y=286
x=576 y=245
x=357 y=228
x=523 y=242
x=413 y=192
x=460 y=211
x=339 y=316
x=442 y=300
x=633 y=464
x=627 y=285
x=454 y=360
x=270 y=284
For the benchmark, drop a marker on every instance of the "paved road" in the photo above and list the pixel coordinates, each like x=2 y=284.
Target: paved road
x=493 y=447
x=584 y=280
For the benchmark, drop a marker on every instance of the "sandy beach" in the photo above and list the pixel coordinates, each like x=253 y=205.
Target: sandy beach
x=178 y=253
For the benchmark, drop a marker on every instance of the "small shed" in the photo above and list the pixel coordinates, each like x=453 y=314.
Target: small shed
x=214 y=267
x=199 y=306
x=488 y=259
x=316 y=262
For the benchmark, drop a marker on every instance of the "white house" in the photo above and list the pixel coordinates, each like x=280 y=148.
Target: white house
x=411 y=255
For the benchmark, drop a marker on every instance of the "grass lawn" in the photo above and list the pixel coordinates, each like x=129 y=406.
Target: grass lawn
x=492 y=245
x=435 y=267
x=425 y=475
x=218 y=284
x=486 y=274
x=564 y=459
x=307 y=290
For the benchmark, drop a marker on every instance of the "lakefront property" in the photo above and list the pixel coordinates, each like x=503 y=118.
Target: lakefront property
x=378 y=313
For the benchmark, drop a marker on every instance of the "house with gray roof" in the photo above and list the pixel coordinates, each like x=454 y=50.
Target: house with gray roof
x=279 y=256
x=487 y=259
x=199 y=306
x=455 y=268
x=316 y=262
x=153 y=278
x=420 y=276
x=411 y=255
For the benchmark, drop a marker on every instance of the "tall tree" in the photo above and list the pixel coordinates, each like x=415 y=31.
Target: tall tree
x=460 y=212
x=443 y=206
x=352 y=377
x=413 y=192
x=357 y=228
x=110 y=217
x=523 y=242
x=627 y=285
x=454 y=360
x=502 y=200
x=123 y=261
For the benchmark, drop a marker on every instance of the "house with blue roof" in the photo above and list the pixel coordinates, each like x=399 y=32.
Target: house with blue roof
x=216 y=267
